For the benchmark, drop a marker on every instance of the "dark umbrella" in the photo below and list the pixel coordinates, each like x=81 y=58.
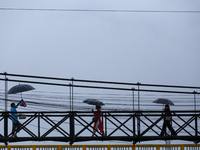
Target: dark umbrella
x=163 y=101
x=20 y=88
x=93 y=102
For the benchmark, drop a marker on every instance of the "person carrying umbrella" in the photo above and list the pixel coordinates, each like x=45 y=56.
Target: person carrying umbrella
x=167 y=121
x=98 y=123
x=14 y=116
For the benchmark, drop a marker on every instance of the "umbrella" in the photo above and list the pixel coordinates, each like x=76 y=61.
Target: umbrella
x=20 y=88
x=93 y=102
x=163 y=101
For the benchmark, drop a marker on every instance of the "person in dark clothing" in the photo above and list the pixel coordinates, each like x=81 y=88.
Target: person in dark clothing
x=167 y=121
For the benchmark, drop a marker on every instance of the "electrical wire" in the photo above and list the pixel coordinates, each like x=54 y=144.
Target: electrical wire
x=100 y=10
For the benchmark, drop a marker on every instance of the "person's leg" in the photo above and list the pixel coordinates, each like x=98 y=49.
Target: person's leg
x=171 y=129
x=17 y=129
x=95 y=128
x=163 y=129
x=14 y=129
x=94 y=131
x=101 y=128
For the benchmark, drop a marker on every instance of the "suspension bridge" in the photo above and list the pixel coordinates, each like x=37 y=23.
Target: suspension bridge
x=133 y=123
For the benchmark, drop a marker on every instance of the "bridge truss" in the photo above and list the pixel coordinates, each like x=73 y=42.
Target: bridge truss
x=77 y=126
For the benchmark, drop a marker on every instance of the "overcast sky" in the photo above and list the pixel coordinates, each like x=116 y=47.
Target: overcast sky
x=149 y=47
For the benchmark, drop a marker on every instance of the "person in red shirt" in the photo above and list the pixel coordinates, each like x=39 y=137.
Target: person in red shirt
x=98 y=124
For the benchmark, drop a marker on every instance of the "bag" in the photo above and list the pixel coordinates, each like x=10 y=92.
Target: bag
x=22 y=117
x=168 y=118
x=23 y=103
x=95 y=119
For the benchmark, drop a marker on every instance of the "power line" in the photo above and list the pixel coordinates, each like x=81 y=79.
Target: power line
x=101 y=10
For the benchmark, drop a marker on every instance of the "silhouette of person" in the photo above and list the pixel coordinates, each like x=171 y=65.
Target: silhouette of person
x=167 y=121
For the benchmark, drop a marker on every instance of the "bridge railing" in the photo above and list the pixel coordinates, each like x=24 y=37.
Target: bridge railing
x=76 y=126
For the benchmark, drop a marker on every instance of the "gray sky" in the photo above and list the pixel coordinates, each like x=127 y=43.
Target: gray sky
x=159 y=48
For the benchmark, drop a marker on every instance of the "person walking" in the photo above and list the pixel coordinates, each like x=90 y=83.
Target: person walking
x=14 y=116
x=167 y=121
x=98 y=123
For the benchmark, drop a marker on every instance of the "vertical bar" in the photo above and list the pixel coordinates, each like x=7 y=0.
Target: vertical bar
x=196 y=127
x=105 y=125
x=138 y=95
x=59 y=147
x=109 y=147
x=195 y=108
x=102 y=121
x=138 y=120
x=134 y=147
x=8 y=147
x=157 y=147
x=182 y=147
x=6 y=89
x=72 y=94
x=133 y=97
x=72 y=137
x=34 y=147
x=134 y=124
x=6 y=127
x=133 y=114
x=38 y=125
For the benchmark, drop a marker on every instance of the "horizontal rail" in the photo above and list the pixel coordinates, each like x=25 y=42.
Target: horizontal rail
x=95 y=81
x=118 y=113
x=101 y=87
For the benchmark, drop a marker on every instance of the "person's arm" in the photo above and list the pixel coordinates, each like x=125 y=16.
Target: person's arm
x=19 y=102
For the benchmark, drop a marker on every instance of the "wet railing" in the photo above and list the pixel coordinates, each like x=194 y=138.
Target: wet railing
x=77 y=126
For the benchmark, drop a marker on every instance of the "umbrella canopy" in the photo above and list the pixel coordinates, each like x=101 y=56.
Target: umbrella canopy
x=163 y=101
x=93 y=102
x=20 y=88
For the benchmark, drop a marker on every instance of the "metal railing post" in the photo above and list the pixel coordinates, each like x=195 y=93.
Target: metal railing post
x=106 y=125
x=70 y=98
x=72 y=136
x=72 y=94
x=138 y=120
x=195 y=106
x=6 y=127
x=196 y=126
x=6 y=89
x=133 y=113
x=38 y=125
